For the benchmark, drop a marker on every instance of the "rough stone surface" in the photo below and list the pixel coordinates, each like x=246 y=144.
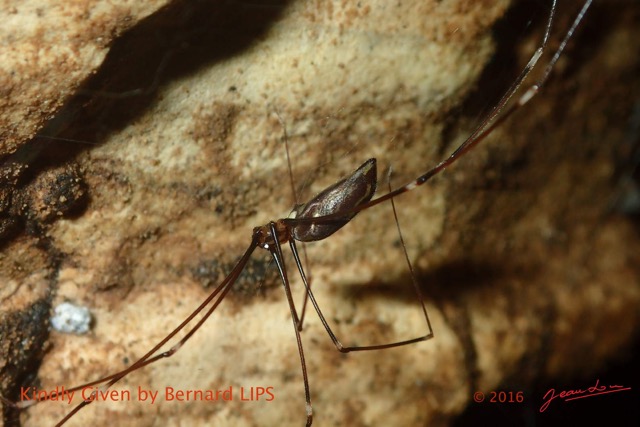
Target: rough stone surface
x=47 y=49
x=524 y=268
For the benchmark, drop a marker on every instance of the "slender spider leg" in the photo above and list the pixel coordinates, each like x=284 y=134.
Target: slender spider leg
x=332 y=335
x=306 y=294
x=414 y=281
x=341 y=348
x=296 y=204
x=325 y=214
x=276 y=253
x=221 y=291
x=496 y=117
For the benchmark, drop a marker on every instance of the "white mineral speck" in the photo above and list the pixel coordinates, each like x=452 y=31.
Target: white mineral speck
x=69 y=318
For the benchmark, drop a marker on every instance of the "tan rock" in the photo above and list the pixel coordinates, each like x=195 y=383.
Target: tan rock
x=521 y=267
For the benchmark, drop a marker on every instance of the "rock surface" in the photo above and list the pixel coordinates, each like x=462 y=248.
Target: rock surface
x=523 y=266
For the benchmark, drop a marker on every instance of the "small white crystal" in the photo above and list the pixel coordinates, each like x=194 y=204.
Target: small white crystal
x=71 y=319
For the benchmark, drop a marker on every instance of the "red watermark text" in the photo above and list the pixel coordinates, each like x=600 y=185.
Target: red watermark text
x=567 y=395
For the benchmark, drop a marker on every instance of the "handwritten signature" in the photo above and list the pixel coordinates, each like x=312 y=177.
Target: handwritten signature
x=568 y=395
